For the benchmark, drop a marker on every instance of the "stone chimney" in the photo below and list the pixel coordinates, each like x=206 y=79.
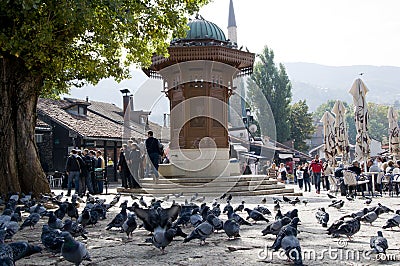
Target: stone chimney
x=125 y=99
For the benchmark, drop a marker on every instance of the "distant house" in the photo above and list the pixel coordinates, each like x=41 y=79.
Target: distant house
x=69 y=123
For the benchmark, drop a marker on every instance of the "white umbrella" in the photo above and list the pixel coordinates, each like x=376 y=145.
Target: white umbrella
x=341 y=136
x=359 y=91
x=329 y=136
x=394 y=147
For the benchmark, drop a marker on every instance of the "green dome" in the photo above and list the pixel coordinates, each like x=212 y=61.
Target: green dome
x=203 y=29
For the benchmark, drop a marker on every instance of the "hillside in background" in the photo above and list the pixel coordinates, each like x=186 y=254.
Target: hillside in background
x=319 y=83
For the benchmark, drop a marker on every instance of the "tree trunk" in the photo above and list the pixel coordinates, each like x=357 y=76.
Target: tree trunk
x=20 y=169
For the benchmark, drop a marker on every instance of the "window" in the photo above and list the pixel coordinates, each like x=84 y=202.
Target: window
x=81 y=110
x=39 y=138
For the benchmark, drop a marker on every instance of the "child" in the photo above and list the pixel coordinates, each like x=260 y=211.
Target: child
x=299 y=174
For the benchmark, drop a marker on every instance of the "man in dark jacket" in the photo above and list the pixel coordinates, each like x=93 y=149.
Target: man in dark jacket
x=123 y=166
x=73 y=170
x=153 y=150
x=89 y=165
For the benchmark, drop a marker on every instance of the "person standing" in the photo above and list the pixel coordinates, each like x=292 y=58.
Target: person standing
x=153 y=151
x=283 y=173
x=83 y=173
x=328 y=170
x=142 y=163
x=306 y=177
x=317 y=167
x=300 y=174
x=89 y=164
x=123 y=166
x=134 y=158
x=100 y=163
x=73 y=171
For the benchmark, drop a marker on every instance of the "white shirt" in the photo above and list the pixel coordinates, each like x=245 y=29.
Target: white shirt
x=299 y=174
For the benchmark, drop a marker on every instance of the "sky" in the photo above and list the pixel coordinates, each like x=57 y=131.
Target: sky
x=328 y=32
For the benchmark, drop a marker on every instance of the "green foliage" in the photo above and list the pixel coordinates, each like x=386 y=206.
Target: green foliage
x=271 y=82
x=301 y=125
x=72 y=42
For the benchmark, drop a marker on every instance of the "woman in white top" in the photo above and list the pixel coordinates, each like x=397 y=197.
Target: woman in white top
x=283 y=173
x=299 y=175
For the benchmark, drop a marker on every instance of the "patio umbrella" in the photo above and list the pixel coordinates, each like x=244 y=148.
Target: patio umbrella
x=359 y=91
x=329 y=136
x=394 y=147
x=341 y=136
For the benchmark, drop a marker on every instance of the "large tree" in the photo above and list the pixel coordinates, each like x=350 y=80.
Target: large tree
x=273 y=83
x=301 y=125
x=48 y=45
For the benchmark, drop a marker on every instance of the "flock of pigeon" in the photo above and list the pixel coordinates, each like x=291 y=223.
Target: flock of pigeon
x=65 y=224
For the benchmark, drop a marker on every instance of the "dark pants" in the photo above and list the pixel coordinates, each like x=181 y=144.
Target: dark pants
x=307 y=182
x=155 y=159
x=124 y=177
x=325 y=182
x=73 y=176
x=89 y=183
x=300 y=182
x=134 y=176
x=317 y=180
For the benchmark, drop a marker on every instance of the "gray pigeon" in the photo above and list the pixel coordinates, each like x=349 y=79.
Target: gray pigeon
x=74 y=228
x=322 y=217
x=54 y=222
x=22 y=249
x=379 y=243
x=240 y=207
x=202 y=231
x=31 y=220
x=51 y=239
x=215 y=222
x=72 y=250
x=287 y=230
x=196 y=218
x=370 y=217
x=6 y=252
x=130 y=224
x=231 y=228
x=348 y=228
x=238 y=218
x=392 y=222
x=118 y=220
x=162 y=237
x=255 y=215
x=338 y=204
x=274 y=227
x=291 y=245
x=11 y=227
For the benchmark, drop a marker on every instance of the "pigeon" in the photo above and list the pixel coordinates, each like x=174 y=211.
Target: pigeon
x=153 y=218
x=196 y=218
x=305 y=202
x=178 y=195
x=11 y=227
x=338 y=204
x=51 y=239
x=278 y=215
x=322 y=217
x=74 y=228
x=379 y=243
x=255 y=215
x=31 y=220
x=22 y=249
x=291 y=245
x=295 y=201
x=72 y=211
x=54 y=222
x=202 y=231
x=216 y=210
x=263 y=210
x=201 y=199
x=368 y=201
x=194 y=197
x=215 y=222
x=229 y=198
x=142 y=202
x=223 y=196
x=392 y=222
x=370 y=217
x=118 y=220
x=287 y=230
x=277 y=206
x=6 y=252
x=236 y=217
x=72 y=250
x=240 y=207
x=286 y=199
x=348 y=228
x=130 y=224
x=292 y=214
x=84 y=218
x=231 y=228
x=350 y=197
x=276 y=200
x=274 y=227
x=334 y=226
x=115 y=200
x=331 y=196
x=264 y=200
x=162 y=238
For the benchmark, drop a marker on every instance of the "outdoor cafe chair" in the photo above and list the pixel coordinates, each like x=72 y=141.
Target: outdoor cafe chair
x=350 y=180
x=334 y=183
x=387 y=183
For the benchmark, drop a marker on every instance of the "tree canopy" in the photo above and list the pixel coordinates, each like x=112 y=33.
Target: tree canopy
x=274 y=84
x=301 y=125
x=69 y=42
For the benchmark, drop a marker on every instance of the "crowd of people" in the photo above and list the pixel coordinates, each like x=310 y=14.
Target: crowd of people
x=137 y=159
x=317 y=173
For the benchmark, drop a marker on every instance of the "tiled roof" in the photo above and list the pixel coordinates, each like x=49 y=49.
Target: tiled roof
x=90 y=126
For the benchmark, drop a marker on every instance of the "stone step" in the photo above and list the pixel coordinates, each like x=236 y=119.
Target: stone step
x=213 y=184
x=208 y=179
